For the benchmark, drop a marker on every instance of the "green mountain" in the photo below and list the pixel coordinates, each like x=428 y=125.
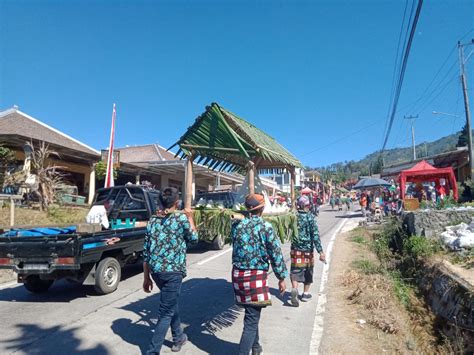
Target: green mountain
x=372 y=163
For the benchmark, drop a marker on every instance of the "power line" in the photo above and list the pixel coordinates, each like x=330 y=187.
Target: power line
x=411 y=106
x=396 y=66
x=439 y=93
x=402 y=73
x=341 y=139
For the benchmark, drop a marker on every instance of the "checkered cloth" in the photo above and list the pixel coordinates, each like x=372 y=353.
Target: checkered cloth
x=251 y=287
x=301 y=259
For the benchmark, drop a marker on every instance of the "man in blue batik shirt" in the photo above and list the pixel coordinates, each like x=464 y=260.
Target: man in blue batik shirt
x=164 y=255
x=255 y=247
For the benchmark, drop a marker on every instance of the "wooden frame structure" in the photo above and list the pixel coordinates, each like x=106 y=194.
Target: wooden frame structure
x=223 y=141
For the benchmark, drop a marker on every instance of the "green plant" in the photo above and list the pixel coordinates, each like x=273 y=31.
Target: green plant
x=359 y=239
x=419 y=247
x=366 y=266
x=101 y=170
x=6 y=155
x=401 y=288
x=447 y=202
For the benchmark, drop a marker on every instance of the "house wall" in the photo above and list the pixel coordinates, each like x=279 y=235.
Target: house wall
x=80 y=173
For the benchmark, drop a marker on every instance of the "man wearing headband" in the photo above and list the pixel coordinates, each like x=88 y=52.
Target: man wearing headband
x=302 y=256
x=164 y=255
x=255 y=247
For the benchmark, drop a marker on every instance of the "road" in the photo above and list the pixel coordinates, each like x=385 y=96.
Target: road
x=72 y=318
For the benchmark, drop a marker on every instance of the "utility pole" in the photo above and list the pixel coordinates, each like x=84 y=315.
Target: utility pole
x=462 y=63
x=412 y=118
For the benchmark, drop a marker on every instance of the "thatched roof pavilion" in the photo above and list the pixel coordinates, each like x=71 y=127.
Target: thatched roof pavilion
x=223 y=141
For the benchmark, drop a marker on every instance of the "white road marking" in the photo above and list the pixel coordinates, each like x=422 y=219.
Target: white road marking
x=322 y=299
x=9 y=285
x=202 y=262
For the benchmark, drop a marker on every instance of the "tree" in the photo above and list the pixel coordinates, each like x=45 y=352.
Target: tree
x=101 y=171
x=48 y=176
x=463 y=138
x=6 y=155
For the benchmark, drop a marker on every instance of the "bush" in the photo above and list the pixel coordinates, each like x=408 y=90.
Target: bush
x=418 y=247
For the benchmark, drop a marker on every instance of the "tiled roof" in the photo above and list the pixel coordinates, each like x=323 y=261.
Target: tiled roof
x=16 y=123
x=145 y=153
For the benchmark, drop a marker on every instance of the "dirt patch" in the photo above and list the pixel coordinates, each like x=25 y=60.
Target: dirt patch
x=365 y=311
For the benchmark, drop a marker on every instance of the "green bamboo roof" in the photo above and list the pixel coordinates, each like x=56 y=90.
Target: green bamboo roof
x=223 y=141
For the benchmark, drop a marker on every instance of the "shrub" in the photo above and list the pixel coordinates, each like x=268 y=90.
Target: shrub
x=418 y=247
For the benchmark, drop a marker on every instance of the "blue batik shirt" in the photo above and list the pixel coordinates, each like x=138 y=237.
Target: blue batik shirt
x=308 y=234
x=166 y=241
x=255 y=247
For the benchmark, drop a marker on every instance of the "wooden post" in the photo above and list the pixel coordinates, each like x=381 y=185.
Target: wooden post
x=292 y=187
x=188 y=197
x=91 y=184
x=251 y=177
x=12 y=212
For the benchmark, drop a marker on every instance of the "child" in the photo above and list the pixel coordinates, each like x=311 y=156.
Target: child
x=302 y=256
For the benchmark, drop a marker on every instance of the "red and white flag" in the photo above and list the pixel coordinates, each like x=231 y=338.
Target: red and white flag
x=109 y=177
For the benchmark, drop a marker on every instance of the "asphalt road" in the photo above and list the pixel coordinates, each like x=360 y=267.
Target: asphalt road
x=72 y=318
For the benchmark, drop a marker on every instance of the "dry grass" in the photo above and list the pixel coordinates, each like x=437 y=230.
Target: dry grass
x=375 y=295
x=388 y=304
x=54 y=215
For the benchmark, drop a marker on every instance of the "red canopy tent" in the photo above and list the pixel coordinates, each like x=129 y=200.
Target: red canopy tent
x=423 y=172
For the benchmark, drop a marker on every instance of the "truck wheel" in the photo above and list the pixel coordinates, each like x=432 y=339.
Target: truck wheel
x=107 y=276
x=218 y=243
x=34 y=284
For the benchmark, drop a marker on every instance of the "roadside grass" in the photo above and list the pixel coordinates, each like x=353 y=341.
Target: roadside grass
x=54 y=215
x=381 y=281
x=366 y=267
x=359 y=239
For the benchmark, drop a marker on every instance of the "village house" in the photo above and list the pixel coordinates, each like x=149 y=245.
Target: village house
x=75 y=158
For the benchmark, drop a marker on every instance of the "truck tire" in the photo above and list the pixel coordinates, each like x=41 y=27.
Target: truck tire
x=218 y=243
x=34 y=284
x=107 y=276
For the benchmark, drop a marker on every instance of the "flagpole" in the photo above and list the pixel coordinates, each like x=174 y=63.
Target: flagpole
x=109 y=177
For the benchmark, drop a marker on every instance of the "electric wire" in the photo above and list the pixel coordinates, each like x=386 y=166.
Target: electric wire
x=397 y=60
x=402 y=73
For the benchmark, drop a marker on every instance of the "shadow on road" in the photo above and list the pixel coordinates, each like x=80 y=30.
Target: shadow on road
x=206 y=306
x=352 y=215
x=62 y=291
x=65 y=341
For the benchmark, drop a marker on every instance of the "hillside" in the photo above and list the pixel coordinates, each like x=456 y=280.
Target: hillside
x=372 y=163
x=424 y=149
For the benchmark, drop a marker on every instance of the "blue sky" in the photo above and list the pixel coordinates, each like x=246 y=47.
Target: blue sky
x=309 y=73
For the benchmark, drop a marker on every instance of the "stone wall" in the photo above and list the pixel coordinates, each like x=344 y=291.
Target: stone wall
x=451 y=298
x=430 y=223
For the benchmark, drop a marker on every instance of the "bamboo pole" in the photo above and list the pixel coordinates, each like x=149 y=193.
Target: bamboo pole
x=188 y=197
x=12 y=212
x=292 y=187
x=251 y=176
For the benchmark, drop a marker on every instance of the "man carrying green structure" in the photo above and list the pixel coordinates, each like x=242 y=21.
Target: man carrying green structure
x=302 y=256
x=255 y=247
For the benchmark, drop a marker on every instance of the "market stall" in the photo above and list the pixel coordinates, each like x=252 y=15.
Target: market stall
x=424 y=172
x=222 y=141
